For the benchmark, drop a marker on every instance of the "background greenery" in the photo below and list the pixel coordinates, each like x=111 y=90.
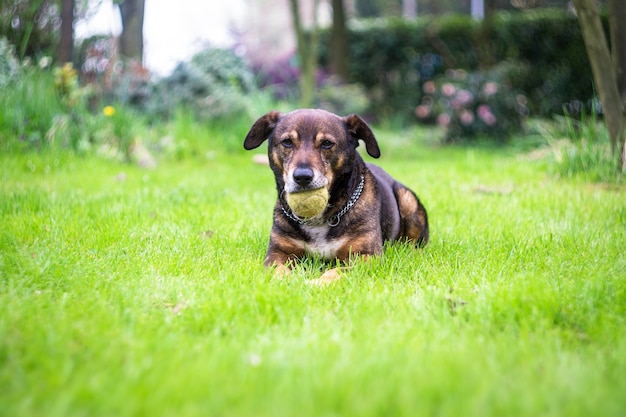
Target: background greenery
x=393 y=58
x=133 y=291
x=133 y=230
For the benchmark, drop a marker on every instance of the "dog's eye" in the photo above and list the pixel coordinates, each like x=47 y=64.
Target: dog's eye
x=287 y=143
x=327 y=144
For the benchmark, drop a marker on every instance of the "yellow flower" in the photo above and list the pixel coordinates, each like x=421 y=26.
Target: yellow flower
x=108 y=111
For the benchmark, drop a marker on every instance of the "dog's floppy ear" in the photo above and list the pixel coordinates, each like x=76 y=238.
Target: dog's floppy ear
x=261 y=130
x=358 y=129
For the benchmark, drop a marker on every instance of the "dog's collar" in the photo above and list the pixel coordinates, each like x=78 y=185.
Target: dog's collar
x=336 y=218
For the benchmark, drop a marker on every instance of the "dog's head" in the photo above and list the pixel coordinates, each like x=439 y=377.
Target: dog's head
x=308 y=148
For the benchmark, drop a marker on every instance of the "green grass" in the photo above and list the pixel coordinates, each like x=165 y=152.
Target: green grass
x=132 y=292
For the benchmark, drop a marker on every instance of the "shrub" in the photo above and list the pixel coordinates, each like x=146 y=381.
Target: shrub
x=341 y=98
x=551 y=42
x=280 y=77
x=29 y=106
x=581 y=148
x=32 y=26
x=46 y=109
x=214 y=84
x=393 y=58
x=474 y=105
x=9 y=65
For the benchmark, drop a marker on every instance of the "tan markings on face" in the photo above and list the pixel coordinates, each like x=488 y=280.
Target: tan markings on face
x=326 y=162
x=293 y=135
x=322 y=136
x=276 y=159
x=281 y=155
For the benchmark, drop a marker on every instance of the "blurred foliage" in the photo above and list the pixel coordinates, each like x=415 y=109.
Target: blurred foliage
x=393 y=58
x=379 y=8
x=31 y=25
x=9 y=65
x=214 y=84
x=116 y=109
x=580 y=147
x=48 y=109
x=335 y=96
x=475 y=105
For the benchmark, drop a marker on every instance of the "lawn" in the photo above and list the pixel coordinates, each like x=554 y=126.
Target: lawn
x=137 y=292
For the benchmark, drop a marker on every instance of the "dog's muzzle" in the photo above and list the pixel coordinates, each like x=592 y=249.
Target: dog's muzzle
x=304 y=178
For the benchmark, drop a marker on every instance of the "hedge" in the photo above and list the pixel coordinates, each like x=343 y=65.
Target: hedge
x=392 y=58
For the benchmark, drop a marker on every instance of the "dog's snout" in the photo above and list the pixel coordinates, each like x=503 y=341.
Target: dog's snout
x=303 y=176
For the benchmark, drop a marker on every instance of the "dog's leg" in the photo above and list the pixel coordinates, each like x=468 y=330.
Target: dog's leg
x=328 y=277
x=413 y=218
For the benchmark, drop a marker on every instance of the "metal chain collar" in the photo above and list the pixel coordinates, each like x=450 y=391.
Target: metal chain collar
x=334 y=220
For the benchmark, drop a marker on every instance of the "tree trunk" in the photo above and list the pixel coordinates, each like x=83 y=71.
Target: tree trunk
x=131 y=39
x=339 y=41
x=617 y=15
x=307 y=51
x=602 y=68
x=66 y=44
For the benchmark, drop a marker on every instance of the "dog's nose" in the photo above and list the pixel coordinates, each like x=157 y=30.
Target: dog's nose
x=303 y=176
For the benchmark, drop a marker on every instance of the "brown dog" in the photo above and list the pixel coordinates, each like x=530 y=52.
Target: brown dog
x=309 y=149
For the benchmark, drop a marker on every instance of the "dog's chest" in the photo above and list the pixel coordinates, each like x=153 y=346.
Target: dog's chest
x=320 y=244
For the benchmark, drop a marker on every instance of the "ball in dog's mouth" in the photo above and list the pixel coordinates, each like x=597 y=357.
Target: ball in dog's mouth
x=309 y=203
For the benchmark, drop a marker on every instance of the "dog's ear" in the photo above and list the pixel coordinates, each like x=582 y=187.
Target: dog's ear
x=359 y=130
x=261 y=130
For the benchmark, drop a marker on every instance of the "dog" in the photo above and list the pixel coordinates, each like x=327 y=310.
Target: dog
x=313 y=148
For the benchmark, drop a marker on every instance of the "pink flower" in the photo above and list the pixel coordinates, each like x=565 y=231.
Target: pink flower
x=429 y=87
x=483 y=109
x=490 y=88
x=422 y=111
x=466 y=117
x=448 y=90
x=486 y=115
x=490 y=119
x=464 y=97
x=443 y=120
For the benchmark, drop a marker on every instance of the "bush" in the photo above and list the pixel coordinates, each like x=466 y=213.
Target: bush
x=474 y=105
x=214 y=84
x=9 y=65
x=32 y=26
x=46 y=109
x=581 y=148
x=393 y=58
x=343 y=99
x=551 y=42
x=29 y=106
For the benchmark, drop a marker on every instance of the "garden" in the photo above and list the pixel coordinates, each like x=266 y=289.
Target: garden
x=133 y=232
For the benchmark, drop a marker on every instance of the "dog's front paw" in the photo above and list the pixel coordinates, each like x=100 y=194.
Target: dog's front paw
x=281 y=272
x=328 y=277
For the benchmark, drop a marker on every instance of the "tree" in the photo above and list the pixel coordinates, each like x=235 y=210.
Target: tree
x=307 y=51
x=617 y=15
x=608 y=71
x=66 y=43
x=131 y=39
x=339 y=41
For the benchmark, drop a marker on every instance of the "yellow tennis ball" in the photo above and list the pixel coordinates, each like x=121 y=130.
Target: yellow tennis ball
x=307 y=204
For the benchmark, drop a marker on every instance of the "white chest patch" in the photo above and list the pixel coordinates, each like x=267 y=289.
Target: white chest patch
x=319 y=244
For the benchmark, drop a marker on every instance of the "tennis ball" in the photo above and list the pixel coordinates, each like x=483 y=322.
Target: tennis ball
x=307 y=204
